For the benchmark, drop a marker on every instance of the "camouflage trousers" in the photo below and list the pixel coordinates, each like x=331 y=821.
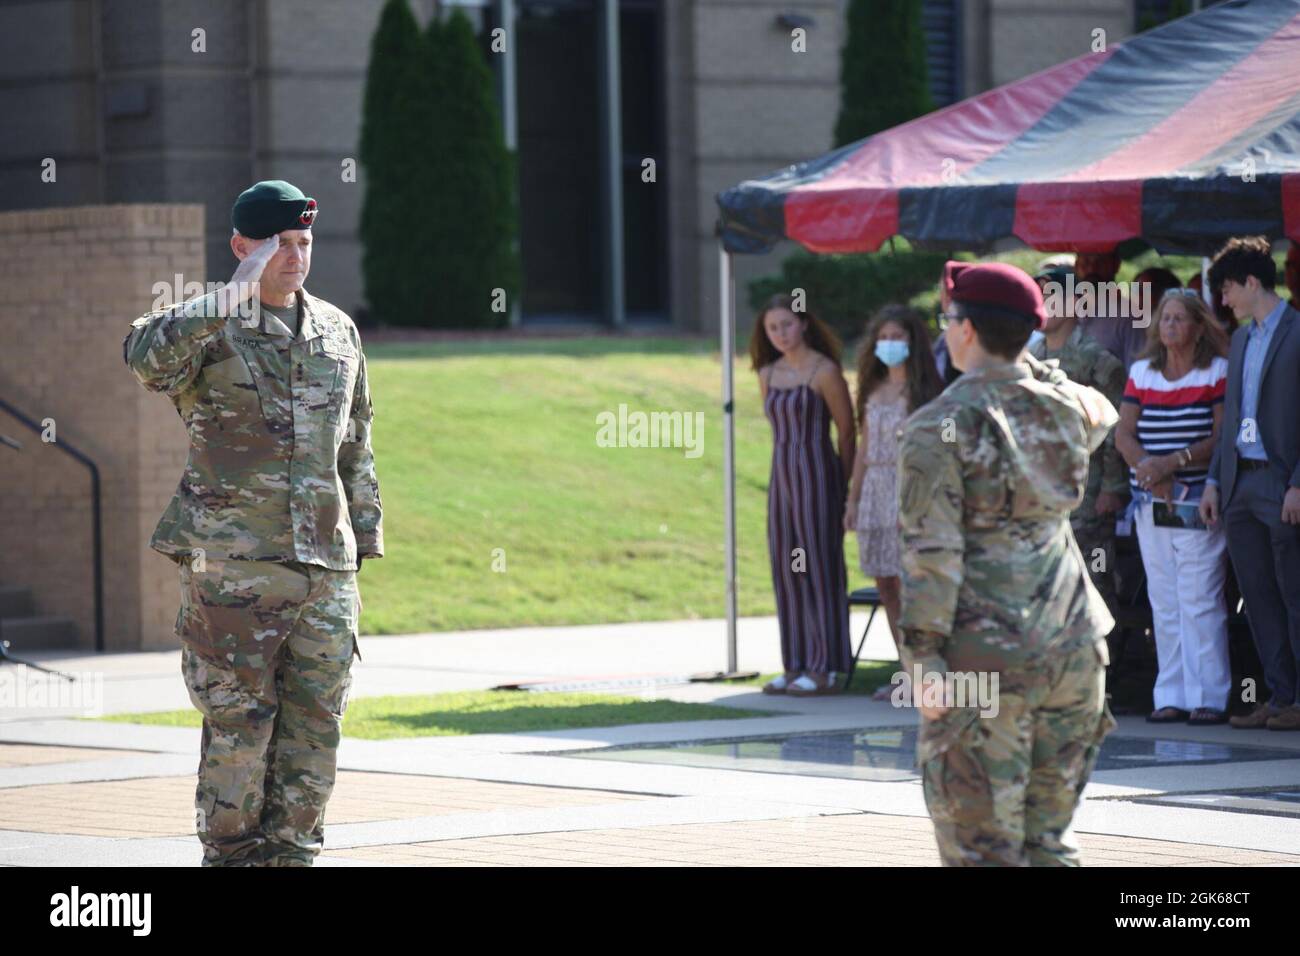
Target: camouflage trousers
x=1002 y=790
x=266 y=653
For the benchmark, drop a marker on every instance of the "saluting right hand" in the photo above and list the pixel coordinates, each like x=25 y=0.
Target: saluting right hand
x=243 y=284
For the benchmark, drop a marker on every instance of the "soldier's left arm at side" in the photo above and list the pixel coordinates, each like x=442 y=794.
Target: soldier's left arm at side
x=356 y=463
x=930 y=509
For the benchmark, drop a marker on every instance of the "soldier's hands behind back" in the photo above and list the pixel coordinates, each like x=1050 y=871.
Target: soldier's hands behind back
x=1094 y=405
x=931 y=688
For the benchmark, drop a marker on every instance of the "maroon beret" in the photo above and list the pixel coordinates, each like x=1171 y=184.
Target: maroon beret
x=995 y=284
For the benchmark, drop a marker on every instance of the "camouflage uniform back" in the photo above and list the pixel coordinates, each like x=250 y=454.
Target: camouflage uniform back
x=994 y=582
x=277 y=505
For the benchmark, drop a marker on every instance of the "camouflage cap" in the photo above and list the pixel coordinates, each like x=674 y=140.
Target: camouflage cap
x=270 y=207
x=1056 y=267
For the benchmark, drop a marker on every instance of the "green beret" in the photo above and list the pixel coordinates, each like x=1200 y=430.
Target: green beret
x=270 y=207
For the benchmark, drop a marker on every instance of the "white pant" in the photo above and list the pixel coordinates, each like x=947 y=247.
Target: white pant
x=1186 y=571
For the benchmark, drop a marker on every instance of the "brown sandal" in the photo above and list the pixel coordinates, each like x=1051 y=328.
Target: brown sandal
x=821 y=687
x=1167 y=715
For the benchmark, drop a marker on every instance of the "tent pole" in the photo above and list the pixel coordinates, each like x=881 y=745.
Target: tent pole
x=727 y=324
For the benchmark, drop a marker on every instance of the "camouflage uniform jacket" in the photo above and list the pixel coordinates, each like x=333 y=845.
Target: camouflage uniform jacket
x=988 y=473
x=1087 y=362
x=280 y=466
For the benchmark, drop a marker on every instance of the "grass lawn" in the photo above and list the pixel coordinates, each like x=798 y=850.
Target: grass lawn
x=484 y=712
x=500 y=509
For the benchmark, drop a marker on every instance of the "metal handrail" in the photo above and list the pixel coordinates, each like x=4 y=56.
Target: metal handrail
x=95 y=498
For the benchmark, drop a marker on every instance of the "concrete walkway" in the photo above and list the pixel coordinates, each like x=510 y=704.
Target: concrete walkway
x=465 y=660
x=85 y=793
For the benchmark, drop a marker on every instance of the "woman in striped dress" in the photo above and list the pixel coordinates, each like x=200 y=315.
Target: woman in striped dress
x=1169 y=423
x=804 y=392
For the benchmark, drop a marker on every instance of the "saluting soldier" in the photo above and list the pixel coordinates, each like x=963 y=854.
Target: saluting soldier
x=278 y=504
x=1086 y=361
x=993 y=582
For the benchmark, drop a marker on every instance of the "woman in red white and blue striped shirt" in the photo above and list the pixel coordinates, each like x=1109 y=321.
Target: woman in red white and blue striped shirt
x=1169 y=422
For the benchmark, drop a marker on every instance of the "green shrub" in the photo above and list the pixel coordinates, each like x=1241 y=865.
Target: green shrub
x=438 y=218
x=883 y=77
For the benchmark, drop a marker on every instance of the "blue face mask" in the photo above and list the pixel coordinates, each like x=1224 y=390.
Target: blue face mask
x=892 y=351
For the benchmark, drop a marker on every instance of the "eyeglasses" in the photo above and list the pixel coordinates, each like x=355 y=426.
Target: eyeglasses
x=945 y=319
x=1190 y=293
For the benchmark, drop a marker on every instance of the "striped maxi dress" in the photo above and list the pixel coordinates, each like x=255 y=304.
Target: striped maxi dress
x=805 y=514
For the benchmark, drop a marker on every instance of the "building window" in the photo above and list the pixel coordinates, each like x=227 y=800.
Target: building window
x=1152 y=13
x=942 y=22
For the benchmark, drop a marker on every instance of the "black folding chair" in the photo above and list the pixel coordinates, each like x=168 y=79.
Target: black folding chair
x=862 y=597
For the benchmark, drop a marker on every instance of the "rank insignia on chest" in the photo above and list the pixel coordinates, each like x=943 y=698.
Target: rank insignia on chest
x=336 y=342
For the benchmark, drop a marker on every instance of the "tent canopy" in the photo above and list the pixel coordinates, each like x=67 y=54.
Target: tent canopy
x=1180 y=137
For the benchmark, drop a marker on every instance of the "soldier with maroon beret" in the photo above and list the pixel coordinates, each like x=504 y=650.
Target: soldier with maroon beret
x=995 y=593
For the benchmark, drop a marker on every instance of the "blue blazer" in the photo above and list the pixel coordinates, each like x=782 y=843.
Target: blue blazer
x=1278 y=410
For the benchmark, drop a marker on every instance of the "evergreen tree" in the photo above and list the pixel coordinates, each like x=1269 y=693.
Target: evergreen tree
x=430 y=240
x=468 y=245
x=883 y=75
x=391 y=150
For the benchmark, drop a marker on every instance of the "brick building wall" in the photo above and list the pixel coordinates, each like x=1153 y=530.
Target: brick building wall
x=115 y=93
x=71 y=282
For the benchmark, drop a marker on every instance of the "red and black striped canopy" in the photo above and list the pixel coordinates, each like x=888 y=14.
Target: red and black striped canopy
x=1181 y=136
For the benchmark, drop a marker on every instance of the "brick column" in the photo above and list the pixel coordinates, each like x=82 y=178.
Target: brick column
x=71 y=282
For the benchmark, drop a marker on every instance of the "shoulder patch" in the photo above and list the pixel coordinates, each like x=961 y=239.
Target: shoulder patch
x=914 y=487
x=925 y=438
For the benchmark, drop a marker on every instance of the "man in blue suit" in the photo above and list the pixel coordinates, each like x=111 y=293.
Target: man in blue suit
x=1254 y=480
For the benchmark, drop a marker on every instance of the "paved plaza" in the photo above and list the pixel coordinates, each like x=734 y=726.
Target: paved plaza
x=825 y=781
